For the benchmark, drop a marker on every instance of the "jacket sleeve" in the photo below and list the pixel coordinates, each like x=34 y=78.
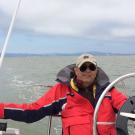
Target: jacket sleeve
x=118 y=98
x=49 y=104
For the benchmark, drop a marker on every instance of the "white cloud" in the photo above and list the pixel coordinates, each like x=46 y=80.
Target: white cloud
x=124 y=32
x=75 y=17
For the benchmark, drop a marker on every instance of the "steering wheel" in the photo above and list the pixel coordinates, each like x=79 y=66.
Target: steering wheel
x=130 y=102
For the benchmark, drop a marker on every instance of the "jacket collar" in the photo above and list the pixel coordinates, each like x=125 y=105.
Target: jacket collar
x=64 y=76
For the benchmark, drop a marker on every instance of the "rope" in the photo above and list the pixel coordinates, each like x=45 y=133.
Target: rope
x=9 y=33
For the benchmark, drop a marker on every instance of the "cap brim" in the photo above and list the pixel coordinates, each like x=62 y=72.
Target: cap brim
x=85 y=62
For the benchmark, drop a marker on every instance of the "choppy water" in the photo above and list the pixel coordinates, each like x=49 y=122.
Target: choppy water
x=21 y=80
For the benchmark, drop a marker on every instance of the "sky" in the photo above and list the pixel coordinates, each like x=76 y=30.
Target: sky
x=69 y=26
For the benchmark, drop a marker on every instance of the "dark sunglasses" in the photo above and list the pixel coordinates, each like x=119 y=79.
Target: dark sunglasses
x=84 y=67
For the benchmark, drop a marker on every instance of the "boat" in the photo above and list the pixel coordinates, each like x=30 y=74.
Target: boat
x=123 y=115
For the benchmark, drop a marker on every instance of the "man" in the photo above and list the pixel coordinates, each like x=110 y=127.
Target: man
x=74 y=96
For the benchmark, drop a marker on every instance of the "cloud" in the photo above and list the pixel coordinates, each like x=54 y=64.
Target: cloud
x=86 y=18
x=124 y=32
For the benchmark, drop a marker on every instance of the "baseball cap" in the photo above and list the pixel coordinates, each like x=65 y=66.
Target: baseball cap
x=85 y=58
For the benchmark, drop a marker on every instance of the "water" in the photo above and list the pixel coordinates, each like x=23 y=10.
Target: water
x=22 y=78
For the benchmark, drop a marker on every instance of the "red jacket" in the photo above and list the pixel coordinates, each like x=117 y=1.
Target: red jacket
x=76 y=111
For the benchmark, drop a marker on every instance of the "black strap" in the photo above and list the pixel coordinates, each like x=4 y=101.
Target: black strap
x=3 y=126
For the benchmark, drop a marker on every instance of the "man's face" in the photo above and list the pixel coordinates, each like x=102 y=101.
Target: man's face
x=86 y=73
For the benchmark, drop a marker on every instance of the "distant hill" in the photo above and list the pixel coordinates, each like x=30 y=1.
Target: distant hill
x=65 y=54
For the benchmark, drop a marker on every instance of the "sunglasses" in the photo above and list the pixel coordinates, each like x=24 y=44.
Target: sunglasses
x=84 y=67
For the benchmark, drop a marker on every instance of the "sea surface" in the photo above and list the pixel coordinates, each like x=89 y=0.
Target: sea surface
x=25 y=79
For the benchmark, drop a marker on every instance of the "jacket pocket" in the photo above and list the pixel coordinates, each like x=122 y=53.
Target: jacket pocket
x=80 y=129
